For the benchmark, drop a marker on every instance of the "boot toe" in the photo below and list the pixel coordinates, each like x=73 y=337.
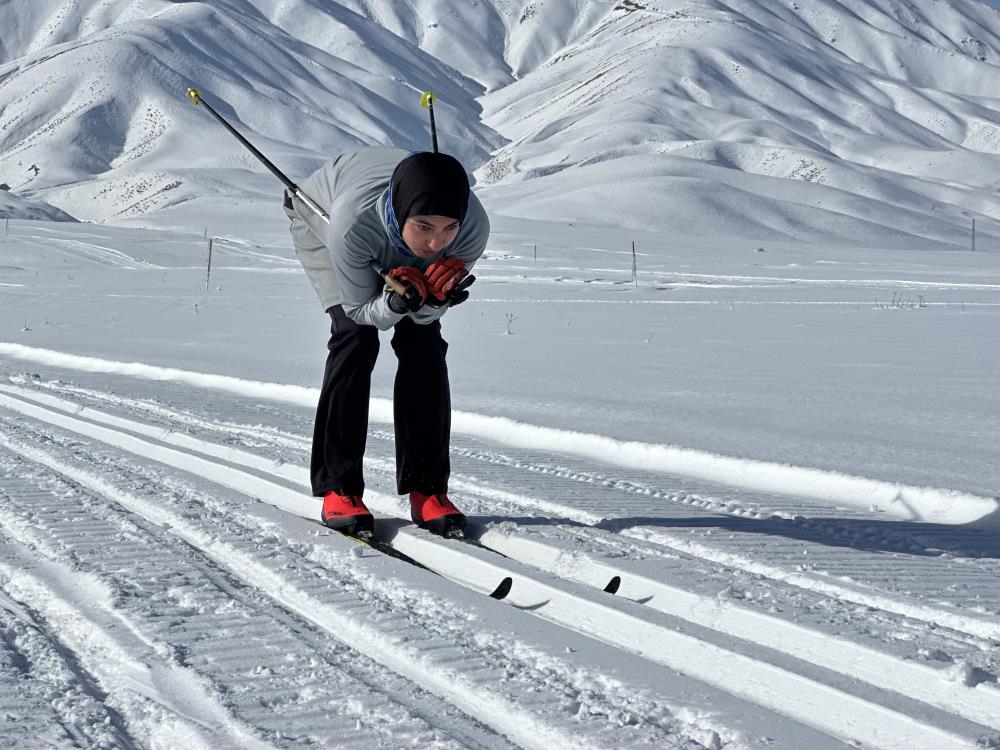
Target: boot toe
x=362 y=525
x=449 y=525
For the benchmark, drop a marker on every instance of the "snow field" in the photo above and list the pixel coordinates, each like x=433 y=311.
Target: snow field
x=791 y=699
x=907 y=503
x=435 y=650
x=151 y=426
x=54 y=700
x=196 y=617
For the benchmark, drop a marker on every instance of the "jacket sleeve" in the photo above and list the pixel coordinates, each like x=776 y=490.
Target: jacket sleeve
x=427 y=314
x=361 y=287
x=309 y=231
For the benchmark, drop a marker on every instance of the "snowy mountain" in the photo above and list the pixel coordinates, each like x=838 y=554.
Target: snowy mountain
x=819 y=119
x=866 y=122
x=14 y=206
x=93 y=94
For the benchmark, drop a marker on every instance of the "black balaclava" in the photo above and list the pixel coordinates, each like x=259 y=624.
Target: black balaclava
x=429 y=184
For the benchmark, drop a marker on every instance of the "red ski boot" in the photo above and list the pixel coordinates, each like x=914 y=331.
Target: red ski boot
x=347 y=514
x=436 y=513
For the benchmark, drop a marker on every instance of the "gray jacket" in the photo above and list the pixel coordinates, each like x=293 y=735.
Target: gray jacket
x=340 y=259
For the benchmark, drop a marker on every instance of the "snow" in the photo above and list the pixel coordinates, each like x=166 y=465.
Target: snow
x=15 y=207
x=866 y=122
x=781 y=433
x=817 y=559
x=909 y=503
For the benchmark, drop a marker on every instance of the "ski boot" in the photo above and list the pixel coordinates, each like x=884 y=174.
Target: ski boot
x=436 y=514
x=347 y=514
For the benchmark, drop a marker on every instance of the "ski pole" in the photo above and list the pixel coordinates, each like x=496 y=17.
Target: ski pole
x=196 y=98
x=427 y=102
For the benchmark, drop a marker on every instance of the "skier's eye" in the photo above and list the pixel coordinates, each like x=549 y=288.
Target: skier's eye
x=429 y=228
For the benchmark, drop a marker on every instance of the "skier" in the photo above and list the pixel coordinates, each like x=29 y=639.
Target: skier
x=414 y=215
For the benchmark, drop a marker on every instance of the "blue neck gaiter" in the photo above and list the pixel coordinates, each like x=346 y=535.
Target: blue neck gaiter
x=392 y=226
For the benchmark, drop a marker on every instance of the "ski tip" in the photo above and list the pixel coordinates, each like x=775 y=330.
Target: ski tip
x=613 y=585
x=194 y=95
x=503 y=589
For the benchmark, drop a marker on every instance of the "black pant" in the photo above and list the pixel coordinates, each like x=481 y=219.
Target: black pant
x=421 y=407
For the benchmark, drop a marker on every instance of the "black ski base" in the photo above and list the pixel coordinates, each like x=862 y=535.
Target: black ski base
x=451 y=526
x=353 y=526
x=368 y=539
x=458 y=534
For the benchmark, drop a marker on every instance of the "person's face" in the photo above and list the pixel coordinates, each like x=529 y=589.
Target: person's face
x=427 y=236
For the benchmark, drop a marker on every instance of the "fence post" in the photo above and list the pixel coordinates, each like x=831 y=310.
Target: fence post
x=208 y=274
x=635 y=269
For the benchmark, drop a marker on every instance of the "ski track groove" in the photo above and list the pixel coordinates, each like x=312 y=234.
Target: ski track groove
x=193 y=600
x=46 y=697
x=799 y=520
x=158 y=700
x=656 y=721
x=289 y=447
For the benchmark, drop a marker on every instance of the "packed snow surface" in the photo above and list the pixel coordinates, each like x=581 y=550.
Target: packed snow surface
x=782 y=457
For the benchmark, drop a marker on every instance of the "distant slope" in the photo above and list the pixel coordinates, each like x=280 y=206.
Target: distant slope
x=15 y=207
x=870 y=122
x=860 y=121
x=93 y=95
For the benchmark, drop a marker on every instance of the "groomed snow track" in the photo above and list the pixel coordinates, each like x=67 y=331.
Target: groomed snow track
x=106 y=494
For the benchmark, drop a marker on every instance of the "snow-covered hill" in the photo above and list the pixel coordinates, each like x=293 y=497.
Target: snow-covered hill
x=857 y=121
x=819 y=119
x=13 y=206
x=93 y=96
x=740 y=495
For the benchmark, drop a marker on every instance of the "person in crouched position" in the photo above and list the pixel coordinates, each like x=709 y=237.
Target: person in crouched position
x=414 y=216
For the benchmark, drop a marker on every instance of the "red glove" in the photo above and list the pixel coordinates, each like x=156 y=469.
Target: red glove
x=443 y=275
x=414 y=292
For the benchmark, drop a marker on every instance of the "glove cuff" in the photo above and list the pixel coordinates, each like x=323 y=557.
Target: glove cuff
x=395 y=302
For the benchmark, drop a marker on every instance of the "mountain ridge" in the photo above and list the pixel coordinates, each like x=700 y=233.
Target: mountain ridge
x=866 y=122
